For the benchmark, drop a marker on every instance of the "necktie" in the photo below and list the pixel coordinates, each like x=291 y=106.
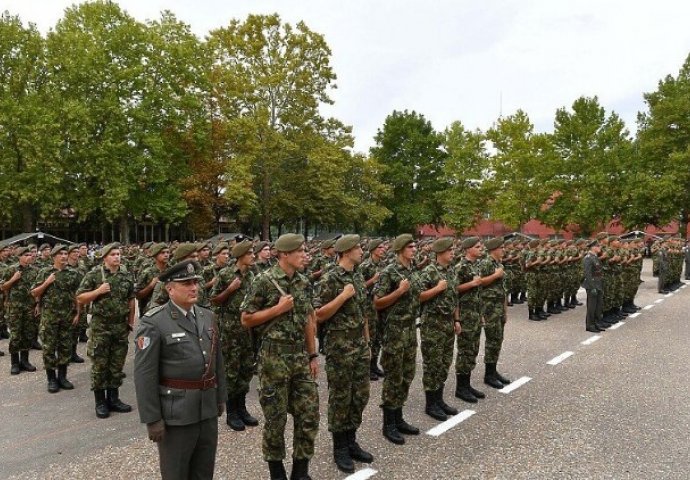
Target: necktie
x=192 y=320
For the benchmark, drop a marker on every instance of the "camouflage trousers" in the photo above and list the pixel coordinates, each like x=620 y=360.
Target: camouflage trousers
x=494 y=314
x=56 y=336
x=531 y=280
x=238 y=354
x=376 y=328
x=468 y=340
x=438 y=343
x=107 y=349
x=286 y=386
x=399 y=361
x=23 y=327
x=347 y=370
x=82 y=325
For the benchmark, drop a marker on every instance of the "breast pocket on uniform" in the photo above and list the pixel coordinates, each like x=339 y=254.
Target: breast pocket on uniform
x=177 y=343
x=172 y=402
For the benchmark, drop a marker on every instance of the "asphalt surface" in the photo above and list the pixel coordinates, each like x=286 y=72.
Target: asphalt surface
x=617 y=408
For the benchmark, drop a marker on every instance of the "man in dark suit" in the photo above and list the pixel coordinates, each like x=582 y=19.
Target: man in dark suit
x=179 y=377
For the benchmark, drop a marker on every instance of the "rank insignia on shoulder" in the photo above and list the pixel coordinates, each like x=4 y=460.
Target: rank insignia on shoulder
x=143 y=342
x=153 y=311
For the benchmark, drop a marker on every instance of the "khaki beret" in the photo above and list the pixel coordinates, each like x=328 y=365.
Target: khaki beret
x=374 y=244
x=147 y=245
x=57 y=249
x=157 y=248
x=289 y=242
x=261 y=245
x=401 y=241
x=470 y=242
x=201 y=245
x=184 y=250
x=241 y=248
x=442 y=244
x=346 y=242
x=602 y=235
x=182 y=271
x=22 y=250
x=327 y=244
x=493 y=243
x=593 y=243
x=533 y=243
x=108 y=248
x=220 y=247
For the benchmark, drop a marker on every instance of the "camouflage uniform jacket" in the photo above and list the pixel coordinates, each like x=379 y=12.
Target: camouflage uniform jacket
x=352 y=313
x=466 y=270
x=405 y=310
x=59 y=296
x=20 y=293
x=446 y=302
x=497 y=289
x=116 y=302
x=226 y=275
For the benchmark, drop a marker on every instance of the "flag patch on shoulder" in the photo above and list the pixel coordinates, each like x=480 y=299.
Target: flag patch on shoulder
x=143 y=342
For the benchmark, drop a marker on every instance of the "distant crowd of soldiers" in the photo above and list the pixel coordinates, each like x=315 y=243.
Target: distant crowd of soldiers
x=367 y=296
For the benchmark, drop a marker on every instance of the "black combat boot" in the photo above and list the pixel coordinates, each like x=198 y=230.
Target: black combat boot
x=300 y=469
x=356 y=452
x=101 y=405
x=433 y=409
x=82 y=336
x=510 y=299
x=501 y=378
x=53 y=386
x=404 y=427
x=246 y=418
x=277 y=470
x=462 y=389
x=114 y=403
x=14 y=369
x=75 y=356
x=373 y=376
x=517 y=300
x=24 y=363
x=566 y=303
x=490 y=376
x=523 y=296
x=390 y=429
x=377 y=369
x=477 y=393
x=62 y=378
x=36 y=345
x=533 y=315
x=4 y=333
x=447 y=409
x=543 y=313
x=233 y=417
x=574 y=301
x=341 y=453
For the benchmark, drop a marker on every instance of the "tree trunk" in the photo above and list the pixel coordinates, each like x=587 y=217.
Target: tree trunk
x=28 y=221
x=124 y=229
x=683 y=224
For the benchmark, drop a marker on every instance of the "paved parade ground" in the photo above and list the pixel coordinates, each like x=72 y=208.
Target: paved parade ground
x=615 y=405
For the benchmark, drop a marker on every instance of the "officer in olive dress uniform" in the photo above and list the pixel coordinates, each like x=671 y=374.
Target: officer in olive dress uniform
x=179 y=377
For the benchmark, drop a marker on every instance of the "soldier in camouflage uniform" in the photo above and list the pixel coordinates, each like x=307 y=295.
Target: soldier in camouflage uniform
x=110 y=291
x=396 y=296
x=143 y=260
x=531 y=264
x=469 y=288
x=341 y=304
x=264 y=259
x=440 y=324
x=5 y=253
x=371 y=270
x=184 y=251
x=73 y=263
x=54 y=290
x=233 y=283
x=279 y=304
x=147 y=279
x=494 y=310
x=16 y=283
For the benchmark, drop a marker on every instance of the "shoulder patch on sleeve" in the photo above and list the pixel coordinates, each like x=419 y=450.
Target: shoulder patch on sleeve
x=154 y=311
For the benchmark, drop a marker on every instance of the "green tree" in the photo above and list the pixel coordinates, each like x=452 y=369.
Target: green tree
x=465 y=173
x=592 y=154
x=662 y=182
x=31 y=174
x=411 y=151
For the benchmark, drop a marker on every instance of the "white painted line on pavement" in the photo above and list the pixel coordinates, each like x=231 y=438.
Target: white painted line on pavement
x=560 y=358
x=648 y=307
x=616 y=325
x=684 y=286
x=591 y=340
x=362 y=474
x=515 y=384
x=668 y=295
x=442 y=428
x=659 y=300
x=633 y=315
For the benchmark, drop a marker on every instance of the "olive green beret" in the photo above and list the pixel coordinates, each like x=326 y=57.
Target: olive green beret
x=442 y=244
x=111 y=246
x=241 y=248
x=493 y=243
x=580 y=241
x=327 y=244
x=613 y=238
x=593 y=243
x=31 y=246
x=72 y=248
x=220 y=247
x=261 y=245
x=184 y=250
x=602 y=235
x=470 y=242
x=157 y=248
x=401 y=241
x=21 y=251
x=346 y=242
x=289 y=242
x=44 y=246
x=182 y=271
x=147 y=245
x=57 y=249
x=533 y=243
x=374 y=244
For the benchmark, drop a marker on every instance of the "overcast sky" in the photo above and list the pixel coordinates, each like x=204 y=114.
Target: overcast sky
x=460 y=59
